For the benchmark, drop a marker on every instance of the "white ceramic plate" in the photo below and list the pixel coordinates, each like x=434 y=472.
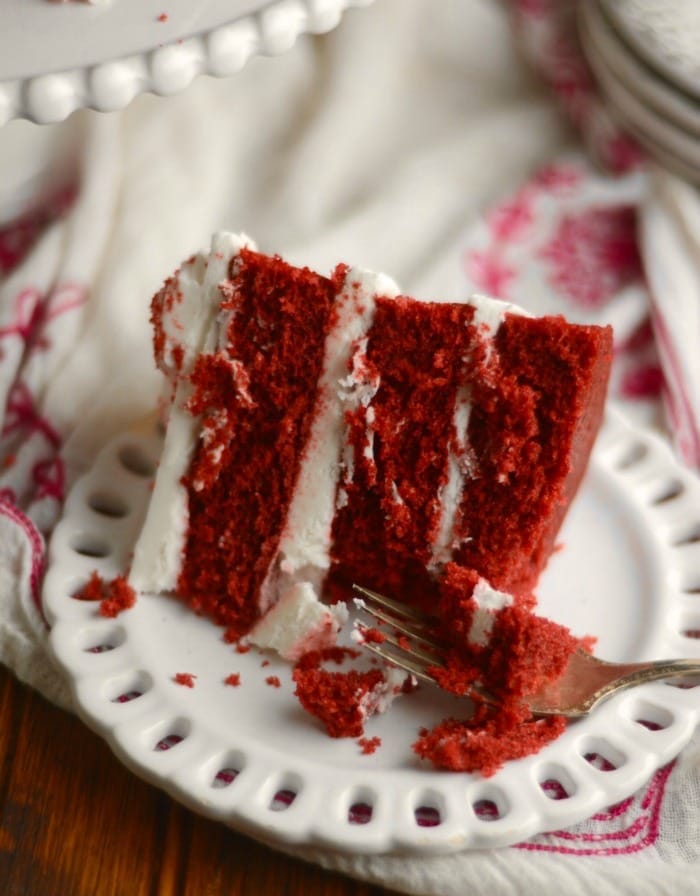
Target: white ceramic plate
x=55 y=58
x=666 y=33
x=629 y=573
x=663 y=99
x=673 y=146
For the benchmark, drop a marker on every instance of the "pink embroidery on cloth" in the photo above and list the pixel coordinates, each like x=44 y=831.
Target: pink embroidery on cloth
x=547 y=33
x=642 y=381
x=36 y=544
x=593 y=255
x=640 y=338
x=33 y=314
x=49 y=478
x=7 y=496
x=558 y=178
x=489 y=272
x=512 y=219
x=600 y=836
x=677 y=401
x=21 y=414
x=27 y=310
x=18 y=237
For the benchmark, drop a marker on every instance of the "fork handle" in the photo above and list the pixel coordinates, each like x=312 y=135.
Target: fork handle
x=613 y=677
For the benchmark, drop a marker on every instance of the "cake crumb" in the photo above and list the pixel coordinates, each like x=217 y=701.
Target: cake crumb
x=337 y=699
x=273 y=681
x=485 y=742
x=264 y=664
x=93 y=590
x=234 y=679
x=186 y=679
x=163 y=17
x=114 y=596
x=372 y=635
x=369 y=745
x=121 y=596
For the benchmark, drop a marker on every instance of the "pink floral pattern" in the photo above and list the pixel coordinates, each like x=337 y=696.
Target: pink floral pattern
x=627 y=827
x=22 y=416
x=36 y=543
x=548 y=35
x=593 y=255
x=18 y=237
x=33 y=313
x=31 y=469
x=49 y=477
x=489 y=273
x=512 y=219
x=558 y=178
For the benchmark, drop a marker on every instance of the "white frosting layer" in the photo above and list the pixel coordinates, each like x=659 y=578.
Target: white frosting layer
x=380 y=698
x=452 y=492
x=299 y=622
x=488 y=603
x=307 y=534
x=490 y=313
x=190 y=323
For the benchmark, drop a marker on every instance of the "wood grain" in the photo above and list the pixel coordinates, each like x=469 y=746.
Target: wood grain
x=74 y=822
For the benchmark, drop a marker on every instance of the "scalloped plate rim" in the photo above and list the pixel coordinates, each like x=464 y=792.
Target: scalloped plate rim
x=394 y=836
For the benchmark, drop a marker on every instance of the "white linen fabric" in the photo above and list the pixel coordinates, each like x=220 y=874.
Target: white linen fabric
x=382 y=144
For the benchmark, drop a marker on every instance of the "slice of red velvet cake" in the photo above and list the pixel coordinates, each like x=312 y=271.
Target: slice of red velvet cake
x=326 y=430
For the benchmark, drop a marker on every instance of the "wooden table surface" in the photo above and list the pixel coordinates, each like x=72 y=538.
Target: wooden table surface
x=74 y=822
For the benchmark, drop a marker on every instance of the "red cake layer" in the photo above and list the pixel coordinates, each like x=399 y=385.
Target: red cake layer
x=383 y=536
x=531 y=431
x=536 y=399
x=257 y=411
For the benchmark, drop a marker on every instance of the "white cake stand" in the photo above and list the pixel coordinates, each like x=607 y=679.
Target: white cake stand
x=56 y=58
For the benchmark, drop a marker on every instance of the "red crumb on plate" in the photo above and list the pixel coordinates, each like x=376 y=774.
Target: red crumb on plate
x=120 y=596
x=335 y=698
x=523 y=652
x=484 y=743
x=163 y=17
x=234 y=679
x=273 y=681
x=232 y=634
x=186 y=679
x=114 y=596
x=265 y=663
x=369 y=745
x=93 y=590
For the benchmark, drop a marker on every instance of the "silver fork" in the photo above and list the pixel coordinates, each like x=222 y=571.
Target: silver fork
x=585 y=682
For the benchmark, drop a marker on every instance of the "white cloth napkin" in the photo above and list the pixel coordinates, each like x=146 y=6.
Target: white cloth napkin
x=382 y=144
x=670 y=240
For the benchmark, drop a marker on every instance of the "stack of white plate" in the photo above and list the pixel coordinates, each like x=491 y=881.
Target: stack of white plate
x=645 y=55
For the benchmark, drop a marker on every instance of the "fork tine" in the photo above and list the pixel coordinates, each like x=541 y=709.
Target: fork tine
x=400 y=610
x=403 y=661
x=399 y=624
x=412 y=648
x=408 y=653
